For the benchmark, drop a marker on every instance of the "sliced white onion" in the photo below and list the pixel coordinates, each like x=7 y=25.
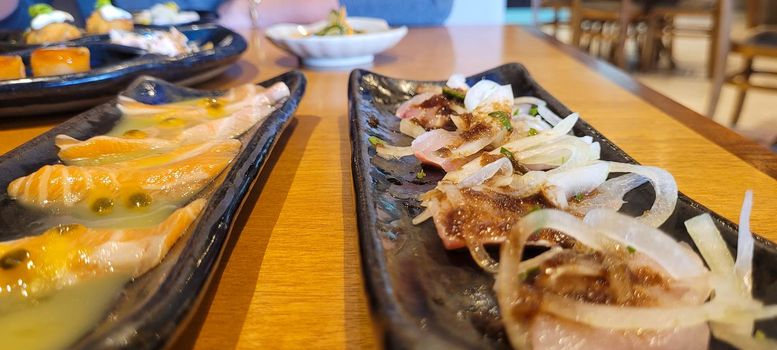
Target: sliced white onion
x=487 y=92
x=564 y=184
x=481 y=256
x=431 y=208
x=548 y=115
x=663 y=249
x=544 y=137
x=538 y=260
x=663 y=185
x=745 y=242
x=393 y=152
x=457 y=81
x=528 y=184
x=411 y=128
x=608 y=195
x=501 y=165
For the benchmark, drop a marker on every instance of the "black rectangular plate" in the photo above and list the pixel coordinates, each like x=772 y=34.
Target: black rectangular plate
x=150 y=309
x=427 y=297
x=115 y=66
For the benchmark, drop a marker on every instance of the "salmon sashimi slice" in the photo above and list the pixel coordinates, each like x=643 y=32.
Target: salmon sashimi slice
x=68 y=254
x=136 y=184
x=169 y=132
x=108 y=149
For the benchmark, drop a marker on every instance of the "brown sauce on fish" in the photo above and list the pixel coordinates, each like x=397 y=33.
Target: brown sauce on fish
x=590 y=277
x=487 y=158
x=477 y=131
x=486 y=215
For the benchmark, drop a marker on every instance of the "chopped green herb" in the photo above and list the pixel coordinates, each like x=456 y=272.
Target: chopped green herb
x=631 y=249
x=421 y=174
x=504 y=118
x=39 y=9
x=579 y=197
x=535 y=208
x=534 y=111
x=507 y=153
x=100 y=3
x=563 y=160
x=530 y=272
x=453 y=93
x=375 y=141
x=516 y=111
x=533 y=131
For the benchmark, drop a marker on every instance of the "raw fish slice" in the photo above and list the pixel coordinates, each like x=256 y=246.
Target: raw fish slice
x=235 y=99
x=108 y=149
x=68 y=254
x=224 y=128
x=135 y=184
x=552 y=333
x=478 y=215
x=429 y=110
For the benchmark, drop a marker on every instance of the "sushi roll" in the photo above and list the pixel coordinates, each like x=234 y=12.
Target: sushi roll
x=50 y=26
x=11 y=67
x=107 y=17
x=59 y=60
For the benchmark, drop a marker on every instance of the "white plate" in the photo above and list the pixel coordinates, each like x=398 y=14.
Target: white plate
x=336 y=51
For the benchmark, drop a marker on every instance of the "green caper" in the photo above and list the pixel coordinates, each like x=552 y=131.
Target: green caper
x=139 y=200
x=14 y=258
x=102 y=206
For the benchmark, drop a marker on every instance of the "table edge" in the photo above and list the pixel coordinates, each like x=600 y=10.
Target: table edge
x=745 y=149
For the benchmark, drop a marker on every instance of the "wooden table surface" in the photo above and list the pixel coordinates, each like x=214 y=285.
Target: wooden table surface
x=291 y=277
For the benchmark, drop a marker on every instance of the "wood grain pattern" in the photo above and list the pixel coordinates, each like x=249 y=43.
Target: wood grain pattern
x=291 y=277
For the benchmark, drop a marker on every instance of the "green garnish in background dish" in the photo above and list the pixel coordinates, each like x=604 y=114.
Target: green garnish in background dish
x=504 y=118
x=172 y=5
x=375 y=140
x=39 y=9
x=533 y=131
x=100 y=3
x=534 y=111
x=453 y=93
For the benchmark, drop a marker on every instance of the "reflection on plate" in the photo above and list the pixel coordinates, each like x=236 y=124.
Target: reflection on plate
x=115 y=66
x=428 y=297
x=336 y=50
x=149 y=309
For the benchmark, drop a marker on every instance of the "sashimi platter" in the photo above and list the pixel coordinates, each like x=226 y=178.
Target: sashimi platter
x=149 y=182
x=491 y=216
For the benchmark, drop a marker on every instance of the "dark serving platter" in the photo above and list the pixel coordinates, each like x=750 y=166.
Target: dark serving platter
x=427 y=297
x=113 y=68
x=151 y=308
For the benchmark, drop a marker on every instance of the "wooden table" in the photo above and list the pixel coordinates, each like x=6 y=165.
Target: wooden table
x=291 y=274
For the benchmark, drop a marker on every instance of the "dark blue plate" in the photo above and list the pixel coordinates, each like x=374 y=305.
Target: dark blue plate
x=427 y=297
x=115 y=66
x=152 y=307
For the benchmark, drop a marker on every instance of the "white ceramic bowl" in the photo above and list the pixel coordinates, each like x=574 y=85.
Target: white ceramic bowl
x=336 y=51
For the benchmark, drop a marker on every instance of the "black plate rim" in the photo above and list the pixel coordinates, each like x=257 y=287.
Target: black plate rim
x=18 y=92
x=398 y=331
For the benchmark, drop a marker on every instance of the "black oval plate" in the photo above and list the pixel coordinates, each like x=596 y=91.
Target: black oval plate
x=115 y=66
x=428 y=297
x=153 y=306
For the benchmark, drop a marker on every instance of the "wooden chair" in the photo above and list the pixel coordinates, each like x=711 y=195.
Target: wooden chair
x=761 y=41
x=601 y=16
x=662 y=29
x=557 y=6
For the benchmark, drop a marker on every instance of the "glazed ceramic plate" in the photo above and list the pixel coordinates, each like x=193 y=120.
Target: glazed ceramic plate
x=428 y=297
x=152 y=307
x=336 y=51
x=113 y=68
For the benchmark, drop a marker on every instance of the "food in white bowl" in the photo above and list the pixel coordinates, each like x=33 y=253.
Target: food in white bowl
x=369 y=36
